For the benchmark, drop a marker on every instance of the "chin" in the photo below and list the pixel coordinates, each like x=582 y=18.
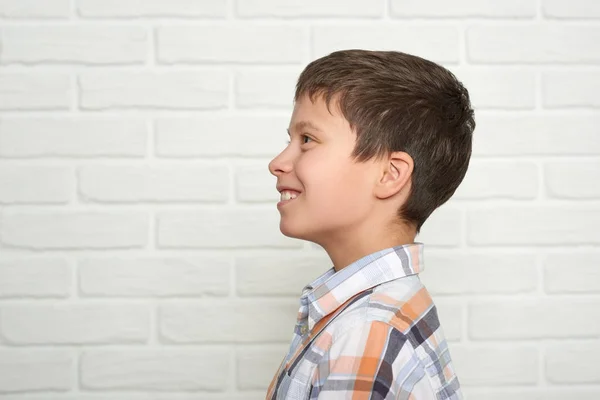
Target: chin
x=293 y=232
x=287 y=230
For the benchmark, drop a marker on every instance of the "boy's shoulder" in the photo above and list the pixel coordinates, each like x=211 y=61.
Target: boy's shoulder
x=402 y=314
x=405 y=304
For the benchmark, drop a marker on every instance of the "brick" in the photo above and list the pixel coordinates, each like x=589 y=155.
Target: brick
x=266 y=88
x=35 y=370
x=291 y=271
x=35 y=8
x=192 y=395
x=476 y=273
x=221 y=136
x=560 y=182
x=256 y=365
x=547 y=134
x=517 y=180
x=531 y=318
x=75 y=323
x=495 y=88
x=74 y=44
x=255 y=184
x=570 y=89
x=151 y=90
x=571 y=9
x=152 y=8
x=464 y=8
x=250 y=44
x=452 y=316
x=437 y=43
x=34 y=277
x=74 y=230
x=310 y=8
x=72 y=137
x=573 y=362
x=155 y=369
x=478 y=365
x=530 y=393
x=151 y=276
x=572 y=273
x=34 y=91
x=183 y=183
x=532 y=44
x=529 y=225
x=232 y=320
x=246 y=228
x=443 y=227
x=35 y=184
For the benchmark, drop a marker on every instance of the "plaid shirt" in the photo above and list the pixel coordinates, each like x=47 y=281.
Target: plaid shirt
x=368 y=331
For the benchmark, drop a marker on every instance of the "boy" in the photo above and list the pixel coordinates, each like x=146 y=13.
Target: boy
x=378 y=141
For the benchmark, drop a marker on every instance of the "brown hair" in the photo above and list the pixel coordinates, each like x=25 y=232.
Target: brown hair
x=400 y=102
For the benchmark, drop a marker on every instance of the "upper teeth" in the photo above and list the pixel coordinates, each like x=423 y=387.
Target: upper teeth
x=287 y=195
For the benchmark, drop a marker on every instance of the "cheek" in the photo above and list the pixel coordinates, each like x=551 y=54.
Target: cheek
x=319 y=173
x=340 y=185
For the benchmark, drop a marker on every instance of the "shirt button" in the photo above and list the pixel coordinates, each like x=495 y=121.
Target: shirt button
x=303 y=329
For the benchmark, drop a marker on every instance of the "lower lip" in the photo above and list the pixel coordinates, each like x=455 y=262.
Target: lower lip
x=284 y=202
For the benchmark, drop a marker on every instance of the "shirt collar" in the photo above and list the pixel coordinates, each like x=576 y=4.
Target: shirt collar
x=331 y=289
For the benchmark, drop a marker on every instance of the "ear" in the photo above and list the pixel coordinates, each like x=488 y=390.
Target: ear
x=395 y=173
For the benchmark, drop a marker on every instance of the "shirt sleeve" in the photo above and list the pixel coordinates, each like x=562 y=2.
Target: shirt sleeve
x=372 y=361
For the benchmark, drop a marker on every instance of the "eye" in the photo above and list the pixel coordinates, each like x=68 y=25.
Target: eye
x=303 y=136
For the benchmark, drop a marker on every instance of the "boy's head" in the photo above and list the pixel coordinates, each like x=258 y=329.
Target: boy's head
x=378 y=141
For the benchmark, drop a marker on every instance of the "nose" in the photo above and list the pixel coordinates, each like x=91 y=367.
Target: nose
x=281 y=164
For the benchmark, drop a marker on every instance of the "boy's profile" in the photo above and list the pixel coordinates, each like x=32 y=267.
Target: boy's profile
x=378 y=141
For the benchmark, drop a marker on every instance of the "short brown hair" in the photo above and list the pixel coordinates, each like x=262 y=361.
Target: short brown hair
x=400 y=102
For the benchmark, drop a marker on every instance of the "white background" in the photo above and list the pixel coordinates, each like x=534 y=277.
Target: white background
x=140 y=254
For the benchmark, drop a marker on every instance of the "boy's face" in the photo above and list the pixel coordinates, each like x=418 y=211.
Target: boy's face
x=336 y=194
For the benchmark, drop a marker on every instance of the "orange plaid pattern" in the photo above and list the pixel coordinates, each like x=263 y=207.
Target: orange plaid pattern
x=368 y=331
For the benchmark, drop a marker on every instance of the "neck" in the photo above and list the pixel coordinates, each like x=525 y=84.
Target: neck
x=349 y=247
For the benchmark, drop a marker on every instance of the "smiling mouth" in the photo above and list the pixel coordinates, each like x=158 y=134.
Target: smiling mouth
x=284 y=202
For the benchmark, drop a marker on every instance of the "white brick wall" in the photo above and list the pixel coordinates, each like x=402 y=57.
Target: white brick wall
x=140 y=253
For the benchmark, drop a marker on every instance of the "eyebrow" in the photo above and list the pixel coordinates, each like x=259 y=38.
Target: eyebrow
x=300 y=125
